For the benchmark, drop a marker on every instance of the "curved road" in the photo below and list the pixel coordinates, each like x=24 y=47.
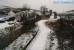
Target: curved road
x=40 y=40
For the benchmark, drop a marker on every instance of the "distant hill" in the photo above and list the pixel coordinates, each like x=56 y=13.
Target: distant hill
x=6 y=9
x=71 y=11
x=67 y=13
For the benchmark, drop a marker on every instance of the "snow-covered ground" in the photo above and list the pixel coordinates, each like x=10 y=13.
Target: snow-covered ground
x=22 y=40
x=6 y=25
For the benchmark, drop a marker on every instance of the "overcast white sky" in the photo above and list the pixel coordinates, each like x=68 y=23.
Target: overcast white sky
x=37 y=3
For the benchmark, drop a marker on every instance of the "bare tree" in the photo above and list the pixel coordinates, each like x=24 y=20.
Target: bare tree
x=55 y=14
x=43 y=9
x=50 y=12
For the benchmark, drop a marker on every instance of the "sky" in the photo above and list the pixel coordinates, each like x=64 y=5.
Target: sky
x=55 y=5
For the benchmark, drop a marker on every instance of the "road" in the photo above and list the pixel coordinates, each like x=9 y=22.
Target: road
x=39 y=43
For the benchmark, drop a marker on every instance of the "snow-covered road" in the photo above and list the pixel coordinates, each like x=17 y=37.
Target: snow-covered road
x=39 y=43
